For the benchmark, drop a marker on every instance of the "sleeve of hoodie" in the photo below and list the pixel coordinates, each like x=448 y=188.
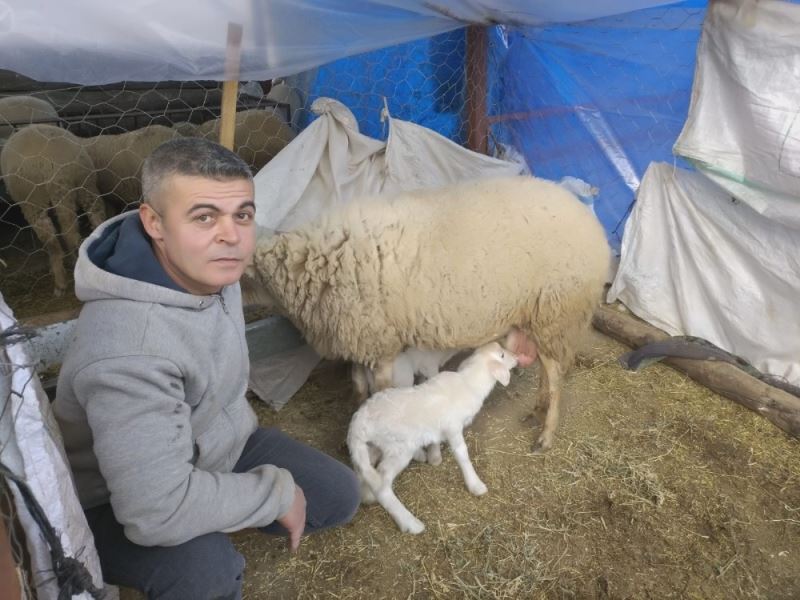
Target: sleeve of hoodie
x=144 y=447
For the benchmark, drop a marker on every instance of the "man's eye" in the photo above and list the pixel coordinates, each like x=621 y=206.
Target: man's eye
x=204 y=219
x=245 y=217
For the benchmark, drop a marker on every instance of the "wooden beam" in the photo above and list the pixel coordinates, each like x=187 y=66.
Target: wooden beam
x=477 y=89
x=230 y=87
x=779 y=407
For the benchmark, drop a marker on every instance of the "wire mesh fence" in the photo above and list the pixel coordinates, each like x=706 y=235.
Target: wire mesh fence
x=72 y=156
x=571 y=100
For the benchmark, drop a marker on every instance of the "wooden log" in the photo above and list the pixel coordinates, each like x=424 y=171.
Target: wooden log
x=778 y=406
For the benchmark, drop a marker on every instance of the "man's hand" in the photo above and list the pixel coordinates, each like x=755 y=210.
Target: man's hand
x=295 y=519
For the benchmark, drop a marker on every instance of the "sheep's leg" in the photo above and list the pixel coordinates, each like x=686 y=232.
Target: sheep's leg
x=551 y=386
x=358 y=373
x=92 y=204
x=67 y=218
x=389 y=468
x=459 y=449
x=46 y=232
x=542 y=400
x=384 y=371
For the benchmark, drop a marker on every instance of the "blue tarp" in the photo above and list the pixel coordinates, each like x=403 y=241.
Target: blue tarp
x=598 y=100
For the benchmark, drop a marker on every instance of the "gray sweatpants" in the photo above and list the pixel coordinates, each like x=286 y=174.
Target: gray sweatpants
x=208 y=566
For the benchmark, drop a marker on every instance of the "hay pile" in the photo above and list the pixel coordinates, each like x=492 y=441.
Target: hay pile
x=656 y=487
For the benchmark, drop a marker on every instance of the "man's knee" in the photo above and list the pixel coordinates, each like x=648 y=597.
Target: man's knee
x=209 y=568
x=344 y=499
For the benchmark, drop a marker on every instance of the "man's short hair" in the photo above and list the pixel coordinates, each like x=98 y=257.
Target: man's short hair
x=190 y=156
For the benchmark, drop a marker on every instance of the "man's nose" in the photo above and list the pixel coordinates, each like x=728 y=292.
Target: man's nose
x=227 y=231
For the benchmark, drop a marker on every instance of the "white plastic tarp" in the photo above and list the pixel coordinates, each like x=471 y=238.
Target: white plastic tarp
x=96 y=41
x=31 y=447
x=327 y=165
x=697 y=262
x=743 y=128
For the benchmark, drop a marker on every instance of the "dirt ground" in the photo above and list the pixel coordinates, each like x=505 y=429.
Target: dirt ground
x=655 y=488
x=26 y=281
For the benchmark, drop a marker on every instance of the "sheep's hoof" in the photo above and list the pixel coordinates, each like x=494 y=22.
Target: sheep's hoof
x=536 y=417
x=478 y=489
x=367 y=495
x=420 y=456
x=543 y=444
x=414 y=526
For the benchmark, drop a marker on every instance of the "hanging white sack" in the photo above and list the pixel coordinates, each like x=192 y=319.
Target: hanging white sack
x=331 y=162
x=32 y=449
x=697 y=262
x=743 y=127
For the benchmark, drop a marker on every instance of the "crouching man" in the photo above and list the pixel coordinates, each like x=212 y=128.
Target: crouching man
x=166 y=452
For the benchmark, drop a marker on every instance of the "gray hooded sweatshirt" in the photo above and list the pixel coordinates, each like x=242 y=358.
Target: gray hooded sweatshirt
x=150 y=398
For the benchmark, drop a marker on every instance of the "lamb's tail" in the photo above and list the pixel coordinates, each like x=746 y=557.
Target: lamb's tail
x=359 y=456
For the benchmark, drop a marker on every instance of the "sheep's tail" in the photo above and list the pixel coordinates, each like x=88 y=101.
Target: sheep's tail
x=359 y=456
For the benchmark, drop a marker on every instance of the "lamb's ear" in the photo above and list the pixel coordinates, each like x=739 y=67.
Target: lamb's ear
x=499 y=372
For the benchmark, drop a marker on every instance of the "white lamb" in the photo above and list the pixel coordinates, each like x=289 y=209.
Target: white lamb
x=394 y=424
x=409 y=363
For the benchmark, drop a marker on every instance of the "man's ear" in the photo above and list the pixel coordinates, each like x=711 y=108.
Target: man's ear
x=500 y=372
x=151 y=221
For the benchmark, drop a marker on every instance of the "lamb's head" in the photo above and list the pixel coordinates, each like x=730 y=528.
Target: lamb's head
x=497 y=360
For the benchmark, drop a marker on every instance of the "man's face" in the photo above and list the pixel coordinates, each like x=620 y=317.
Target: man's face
x=203 y=230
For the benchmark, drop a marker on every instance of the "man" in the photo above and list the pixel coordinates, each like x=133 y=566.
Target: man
x=164 y=448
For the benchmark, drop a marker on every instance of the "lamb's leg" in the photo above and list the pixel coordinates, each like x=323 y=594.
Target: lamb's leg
x=431 y=454
x=459 y=450
x=367 y=495
x=358 y=373
x=434 y=454
x=389 y=468
x=551 y=386
x=384 y=371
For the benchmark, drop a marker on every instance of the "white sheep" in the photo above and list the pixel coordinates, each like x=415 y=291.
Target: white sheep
x=185 y=128
x=118 y=159
x=45 y=167
x=16 y=111
x=259 y=135
x=392 y=425
x=453 y=267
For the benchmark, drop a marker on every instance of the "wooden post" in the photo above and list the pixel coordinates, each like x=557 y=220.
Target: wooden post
x=774 y=404
x=230 y=87
x=476 y=88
